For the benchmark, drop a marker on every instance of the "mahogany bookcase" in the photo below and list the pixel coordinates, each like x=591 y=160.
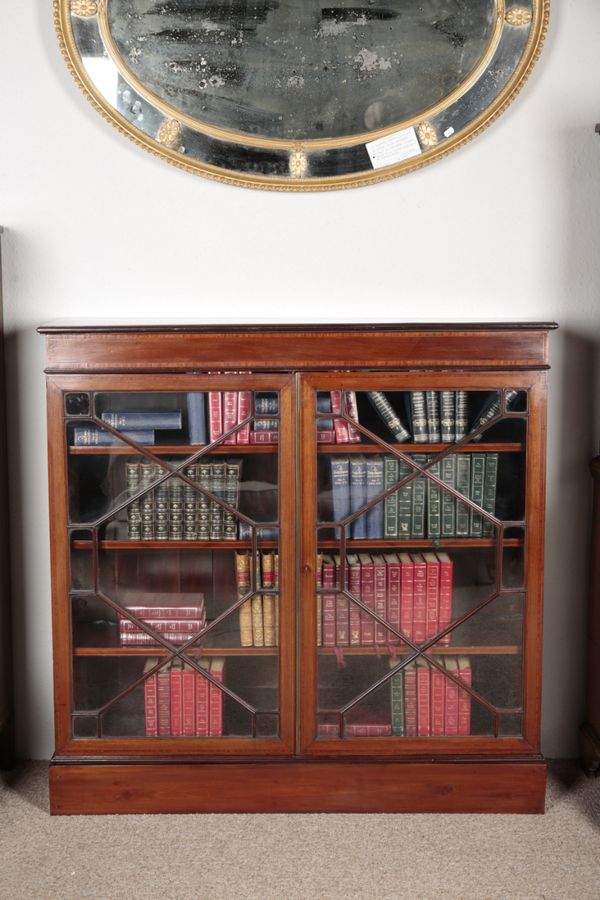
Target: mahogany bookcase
x=323 y=693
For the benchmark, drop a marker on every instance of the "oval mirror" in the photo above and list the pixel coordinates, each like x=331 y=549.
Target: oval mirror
x=301 y=94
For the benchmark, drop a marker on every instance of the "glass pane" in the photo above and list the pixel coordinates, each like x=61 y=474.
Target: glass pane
x=165 y=585
x=420 y=572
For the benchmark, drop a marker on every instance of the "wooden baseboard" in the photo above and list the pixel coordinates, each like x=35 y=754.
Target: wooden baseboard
x=298 y=787
x=590 y=749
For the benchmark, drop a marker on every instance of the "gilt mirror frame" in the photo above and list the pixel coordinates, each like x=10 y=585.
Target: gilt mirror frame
x=257 y=142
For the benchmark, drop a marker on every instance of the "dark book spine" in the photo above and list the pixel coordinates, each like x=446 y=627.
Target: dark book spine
x=269 y=533
x=264 y=437
x=147 y=500
x=160 y=421
x=463 y=482
x=134 y=513
x=358 y=495
x=489 y=491
x=352 y=410
x=410 y=700
x=432 y=402
x=232 y=484
x=175 y=510
x=217 y=488
x=390 y=504
x=461 y=421
x=161 y=511
x=476 y=493
x=196 y=410
x=434 y=504
x=340 y=488
x=448 y=502
x=447 y=416
x=387 y=414
x=96 y=437
x=397 y=702
x=324 y=406
x=266 y=424
x=203 y=503
x=491 y=410
x=405 y=503
x=419 y=417
x=374 y=488
x=419 y=498
x=266 y=404
x=190 y=528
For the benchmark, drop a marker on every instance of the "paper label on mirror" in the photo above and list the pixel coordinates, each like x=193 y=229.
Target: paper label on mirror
x=393 y=148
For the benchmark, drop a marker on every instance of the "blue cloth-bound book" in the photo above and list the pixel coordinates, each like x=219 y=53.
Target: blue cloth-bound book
x=125 y=420
x=196 y=410
x=375 y=487
x=358 y=494
x=96 y=437
x=340 y=488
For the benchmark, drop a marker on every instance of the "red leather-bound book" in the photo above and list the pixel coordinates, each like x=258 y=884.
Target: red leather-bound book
x=188 y=701
x=342 y=610
x=438 y=683
x=215 y=415
x=392 y=563
x=380 y=602
x=446 y=578
x=433 y=594
x=217 y=670
x=244 y=406
x=202 y=716
x=410 y=700
x=368 y=729
x=367 y=595
x=151 y=700
x=176 y=699
x=162 y=626
x=352 y=410
x=328 y=576
x=465 y=673
x=264 y=437
x=407 y=584
x=451 y=699
x=163 y=679
x=354 y=588
x=419 y=599
x=423 y=698
x=340 y=426
x=166 y=612
x=230 y=415
x=326 y=436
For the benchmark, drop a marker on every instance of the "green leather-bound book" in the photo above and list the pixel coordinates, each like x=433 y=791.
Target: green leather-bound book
x=397 y=701
x=489 y=491
x=448 y=502
x=390 y=505
x=463 y=479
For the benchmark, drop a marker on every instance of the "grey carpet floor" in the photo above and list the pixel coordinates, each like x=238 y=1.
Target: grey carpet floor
x=300 y=856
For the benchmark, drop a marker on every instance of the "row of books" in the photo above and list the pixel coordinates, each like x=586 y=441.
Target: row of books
x=180 y=702
x=413 y=592
x=259 y=616
x=140 y=427
x=421 y=508
x=175 y=510
x=423 y=703
x=176 y=623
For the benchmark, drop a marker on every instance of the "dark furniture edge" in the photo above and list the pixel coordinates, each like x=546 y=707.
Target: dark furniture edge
x=82 y=328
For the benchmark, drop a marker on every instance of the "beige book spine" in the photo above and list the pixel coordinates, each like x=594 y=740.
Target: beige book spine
x=268 y=611
x=258 y=634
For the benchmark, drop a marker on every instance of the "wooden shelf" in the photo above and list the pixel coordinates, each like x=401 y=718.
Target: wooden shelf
x=162 y=651
x=391 y=544
x=174 y=545
x=475 y=650
x=499 y=447
x=428 y=543
x=174 y=450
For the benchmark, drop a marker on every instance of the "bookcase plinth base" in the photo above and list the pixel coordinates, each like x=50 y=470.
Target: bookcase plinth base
x=298 y=786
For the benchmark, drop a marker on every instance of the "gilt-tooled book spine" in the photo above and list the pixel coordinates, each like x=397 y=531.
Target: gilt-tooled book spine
x=215 y=415
x=367 y=595
x=268 y=581
x=190 y=528
x=202 y=502
x=407 y=585
x=175 y=510
x=447 y=416
x=328 y=577
x=188 y=701
x=326 y=437
x=463 y=484
x=164 y=700
x=358 y=495
x=266 y=404
x=380 y=598
x=419 y=598
x=354 y=588
x=492 y=410
x=340 y=426
x=432 y=404
x=161 y=511
x=134 y=513
x=242 y=573
x=438 y=680
x=276 y=597
x=423 y=698
x=141 y=639
x=266 y=424
x=451 y=698
x=162 y=626
x=319 y=599
x=405 y=502
x=419 y=500
x=166 y=612
x=217 y=487
x=264 y=437
x=434 y=504
x=419 y=417
x=390 y=504
x=490 y=481
x=461 y=420
x=150 y=700
x=233 y=470
x=393 y=594
x=476 y=493
x=244 y=409
x=202 y=715
x=342 y=611
x=340 y=488
x=397 y=701
x=388 y=415
x=258 y=631
x=352 y=410
x=374 y=488
x=446 y=577
x=410 y=700
x=168 y=420
x=230 y=415
x=217 y=670
x=465 y=673
x=196 y=410
x=433 y=595
x=448 y=502
x=147 y=470
x=96 y=437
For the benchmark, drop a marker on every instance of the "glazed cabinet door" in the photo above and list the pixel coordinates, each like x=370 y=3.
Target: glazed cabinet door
x=172 y=504
x=422 y=514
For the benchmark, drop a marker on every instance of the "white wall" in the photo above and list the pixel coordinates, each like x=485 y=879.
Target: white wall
x=506 y=228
